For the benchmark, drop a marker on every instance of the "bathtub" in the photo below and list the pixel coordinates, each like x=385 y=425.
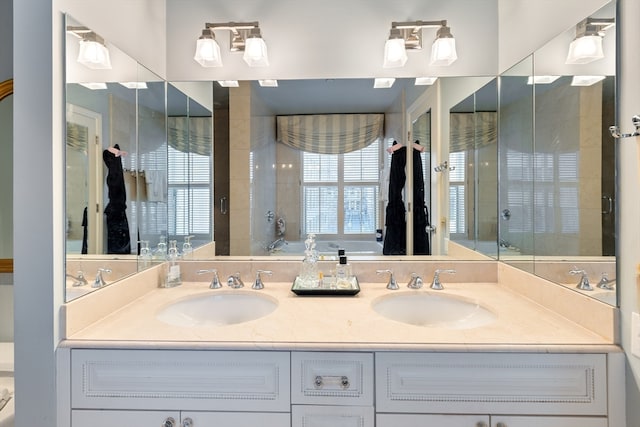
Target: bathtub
x=330 y=247
x=7 y=413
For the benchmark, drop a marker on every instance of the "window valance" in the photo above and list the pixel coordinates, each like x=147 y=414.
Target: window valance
x=470 y=131
x=330 y=133
x=190 y=134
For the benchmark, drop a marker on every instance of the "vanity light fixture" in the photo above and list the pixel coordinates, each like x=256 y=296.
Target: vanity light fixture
x=94 y=85
x=586 y=80
x=228 y=83
x=383 y=83
x=587 y=46
x=268 y=83
x=244 y=37
x=542 y=80
x=408 y=35
x=93 y=52
x=425 y=81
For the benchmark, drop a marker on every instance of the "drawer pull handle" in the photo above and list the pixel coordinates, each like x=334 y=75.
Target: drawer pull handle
x=187 y=422
x=342 y=380
x=169 y=422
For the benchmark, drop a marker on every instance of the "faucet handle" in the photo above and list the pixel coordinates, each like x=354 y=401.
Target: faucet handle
x=392 y=284
x=415 y=282
x=258 y=284
x=215 y=281
x=583 y=284
x=99 y=280
x=436 y=284
x=605 y=282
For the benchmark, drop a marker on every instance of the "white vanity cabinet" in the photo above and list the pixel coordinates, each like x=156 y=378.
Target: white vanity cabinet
x=206 y=388
x=332 y=389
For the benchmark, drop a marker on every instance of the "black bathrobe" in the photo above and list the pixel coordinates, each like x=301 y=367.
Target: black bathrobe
x=395 y=237
x=420 y=211
x=118 y=239
x=395 y=240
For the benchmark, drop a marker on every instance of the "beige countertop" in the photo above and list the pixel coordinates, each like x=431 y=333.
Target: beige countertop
x=344 y=322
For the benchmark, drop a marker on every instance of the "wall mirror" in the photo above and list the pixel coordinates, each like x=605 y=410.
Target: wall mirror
x=472 y=171
x=138 y=166
x=504 y=224
x=558 y=165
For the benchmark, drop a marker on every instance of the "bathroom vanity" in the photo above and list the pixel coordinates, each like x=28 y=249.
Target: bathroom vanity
x=334 y=361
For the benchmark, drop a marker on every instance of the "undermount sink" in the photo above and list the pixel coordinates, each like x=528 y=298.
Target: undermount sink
x=432 y=310
x=217 y=309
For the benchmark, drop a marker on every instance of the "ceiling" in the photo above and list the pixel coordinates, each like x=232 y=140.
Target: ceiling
x=318 y=96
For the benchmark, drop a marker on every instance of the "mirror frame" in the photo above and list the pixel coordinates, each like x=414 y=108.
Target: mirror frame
x=6 y=89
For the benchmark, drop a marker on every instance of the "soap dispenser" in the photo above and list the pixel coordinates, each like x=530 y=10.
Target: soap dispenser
x=161 y=250
x=172 y=273
x=187 y=248
x=145 y=254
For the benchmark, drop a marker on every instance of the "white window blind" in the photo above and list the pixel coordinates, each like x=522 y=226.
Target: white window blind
x=457 y=205
x=333 y=207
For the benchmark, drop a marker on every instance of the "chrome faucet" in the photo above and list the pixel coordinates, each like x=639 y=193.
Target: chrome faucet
x=392 y=284
x=276 y=244
x=583 y=284
x=99 y=281
x=415 y=282
x=258 y=284
x=234 y=281
x=435 y=283
x=215 y=281
x=78 y=280
x=606 y=283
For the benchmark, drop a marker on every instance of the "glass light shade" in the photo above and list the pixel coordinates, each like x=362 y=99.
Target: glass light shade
x=395 y=53
x=208 y=53
x=94 y=55
x=585 y=49
x=255 y=52
x=443 y=51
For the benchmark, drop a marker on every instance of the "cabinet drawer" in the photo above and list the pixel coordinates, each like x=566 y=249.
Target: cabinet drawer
x=502 y=383
x=332 y=378
x=99 y=418
x=423 y=420
x=190 y=380
x=332 y=416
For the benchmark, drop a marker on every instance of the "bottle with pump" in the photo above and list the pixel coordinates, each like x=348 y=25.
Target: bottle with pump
x=161 y=250
x=187 y=248
x=145 y=253
x=172 y=277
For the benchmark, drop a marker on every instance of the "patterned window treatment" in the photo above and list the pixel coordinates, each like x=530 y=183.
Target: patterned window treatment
x=330 y=133
x=190 y=134
x=473 y=130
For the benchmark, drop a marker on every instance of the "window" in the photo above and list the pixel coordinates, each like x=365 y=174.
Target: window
x=457 y=212
x=340 y=192
x=189 y=194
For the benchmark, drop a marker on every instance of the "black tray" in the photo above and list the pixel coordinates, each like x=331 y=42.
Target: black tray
x=325 y=289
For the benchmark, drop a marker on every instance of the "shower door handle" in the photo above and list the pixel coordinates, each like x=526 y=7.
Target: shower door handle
x=431 y=229
x=609 y=201
x=223 y=205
